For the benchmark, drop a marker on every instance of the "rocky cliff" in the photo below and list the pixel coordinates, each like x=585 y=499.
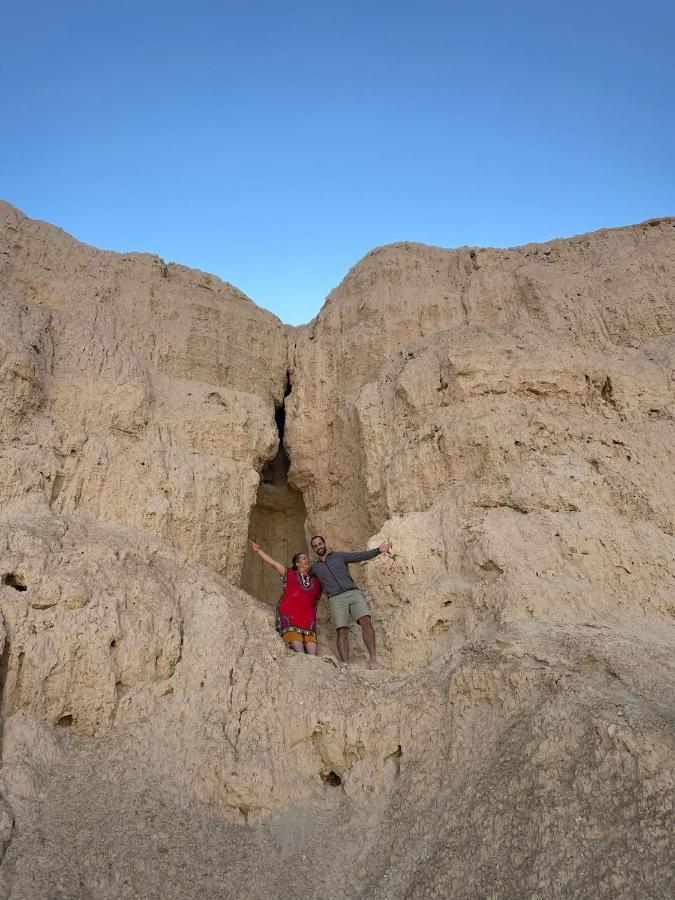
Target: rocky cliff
x=505 y=417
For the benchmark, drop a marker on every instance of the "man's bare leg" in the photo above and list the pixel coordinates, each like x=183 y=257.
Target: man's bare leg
x=369 y=641
x=343 y=644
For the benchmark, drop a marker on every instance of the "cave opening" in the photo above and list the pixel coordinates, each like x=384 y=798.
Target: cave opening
x=277 y=521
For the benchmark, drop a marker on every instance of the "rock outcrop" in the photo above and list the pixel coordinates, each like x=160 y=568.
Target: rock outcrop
x=133 y=391
x=506 y=418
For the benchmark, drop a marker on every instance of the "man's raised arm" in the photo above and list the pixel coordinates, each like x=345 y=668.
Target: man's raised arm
x=363 y=555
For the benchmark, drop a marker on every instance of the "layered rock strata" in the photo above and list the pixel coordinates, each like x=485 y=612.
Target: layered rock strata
x=505 y=417
x=133 y=391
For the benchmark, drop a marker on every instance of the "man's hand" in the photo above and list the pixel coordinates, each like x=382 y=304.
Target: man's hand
x=384 y=546
x=255 y=547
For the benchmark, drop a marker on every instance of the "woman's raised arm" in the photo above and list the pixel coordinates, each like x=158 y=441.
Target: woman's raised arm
x=267 y=559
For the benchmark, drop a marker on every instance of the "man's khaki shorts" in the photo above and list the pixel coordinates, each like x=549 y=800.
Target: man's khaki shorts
x=348 y=603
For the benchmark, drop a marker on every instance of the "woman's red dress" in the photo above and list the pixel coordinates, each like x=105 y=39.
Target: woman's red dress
x=296 y=610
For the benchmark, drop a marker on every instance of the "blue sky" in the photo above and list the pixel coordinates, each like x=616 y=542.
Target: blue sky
x=275 y=143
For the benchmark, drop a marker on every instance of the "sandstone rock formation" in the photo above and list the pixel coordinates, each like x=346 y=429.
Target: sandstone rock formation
x=505 y=417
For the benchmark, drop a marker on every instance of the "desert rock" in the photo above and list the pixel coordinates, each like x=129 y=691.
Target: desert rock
x=505 y=417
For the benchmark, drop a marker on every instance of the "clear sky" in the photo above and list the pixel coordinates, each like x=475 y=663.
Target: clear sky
x=274 y=143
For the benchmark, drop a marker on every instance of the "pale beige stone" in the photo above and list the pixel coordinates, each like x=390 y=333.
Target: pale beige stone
x=504 y=417
x=127 y=390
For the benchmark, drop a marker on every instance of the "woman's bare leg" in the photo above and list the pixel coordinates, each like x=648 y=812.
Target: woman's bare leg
x=310 y=648
x=298 y=646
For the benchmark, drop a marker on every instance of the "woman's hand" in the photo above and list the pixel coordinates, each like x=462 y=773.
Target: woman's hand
x=267 y=559
x=384 y=546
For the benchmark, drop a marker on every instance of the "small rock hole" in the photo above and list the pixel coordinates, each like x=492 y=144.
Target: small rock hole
x=65 y=721
x=331 y=778
x=11 y=580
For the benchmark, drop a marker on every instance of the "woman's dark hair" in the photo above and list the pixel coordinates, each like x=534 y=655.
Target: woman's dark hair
x=295 y=559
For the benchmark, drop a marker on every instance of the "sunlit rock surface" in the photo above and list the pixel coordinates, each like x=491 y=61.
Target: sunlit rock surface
x=505 y=417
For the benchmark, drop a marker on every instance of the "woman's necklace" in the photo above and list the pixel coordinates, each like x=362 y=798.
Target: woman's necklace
x=305 y=580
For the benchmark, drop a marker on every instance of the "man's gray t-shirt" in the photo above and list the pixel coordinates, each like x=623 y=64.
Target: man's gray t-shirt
x=333 y=570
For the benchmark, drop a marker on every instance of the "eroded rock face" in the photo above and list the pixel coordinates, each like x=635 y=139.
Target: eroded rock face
x=134 y=391
x=505 y=417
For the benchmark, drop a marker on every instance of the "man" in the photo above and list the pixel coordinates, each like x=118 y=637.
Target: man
x=345 y=599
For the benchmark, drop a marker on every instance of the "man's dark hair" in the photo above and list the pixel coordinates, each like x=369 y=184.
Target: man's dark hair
x=315 y=537
x=294 y=561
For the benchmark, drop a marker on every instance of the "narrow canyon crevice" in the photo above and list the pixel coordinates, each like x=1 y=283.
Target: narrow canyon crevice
x=277 y=520
x=4 y=676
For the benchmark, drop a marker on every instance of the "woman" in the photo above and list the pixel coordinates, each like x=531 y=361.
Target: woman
x=296 y=610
